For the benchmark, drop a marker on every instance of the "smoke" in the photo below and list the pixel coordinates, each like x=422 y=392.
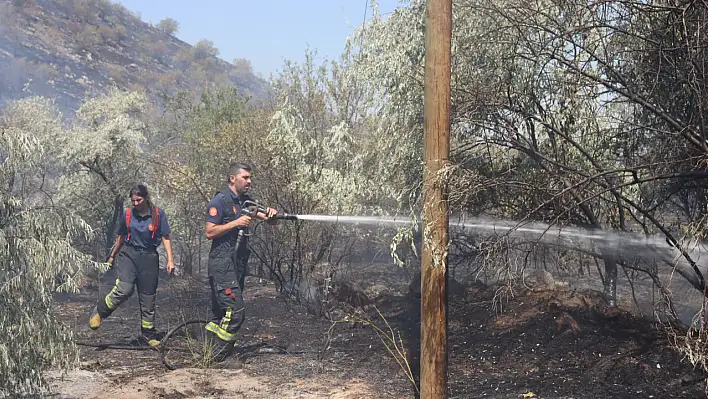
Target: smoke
x=13 y=72
x=16 y=74
x=9 y=27
x=22 y=74
x=5 y=17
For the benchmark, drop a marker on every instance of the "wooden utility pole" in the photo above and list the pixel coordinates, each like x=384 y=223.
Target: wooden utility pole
x=435 y=219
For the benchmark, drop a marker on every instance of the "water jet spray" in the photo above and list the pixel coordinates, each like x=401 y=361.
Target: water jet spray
x=607 y=242
x=594 y=241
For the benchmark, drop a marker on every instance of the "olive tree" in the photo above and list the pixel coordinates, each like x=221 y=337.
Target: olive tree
x=197 y=140
x=104 y=156
x=555 y=114
x=36 y=254
x=327 y=153
x=168 y=25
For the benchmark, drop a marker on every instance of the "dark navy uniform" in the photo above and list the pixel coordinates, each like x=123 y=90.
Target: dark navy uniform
x=137 y=263
x=227 y=266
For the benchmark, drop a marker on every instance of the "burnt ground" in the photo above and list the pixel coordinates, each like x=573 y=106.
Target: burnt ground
x=546 y=344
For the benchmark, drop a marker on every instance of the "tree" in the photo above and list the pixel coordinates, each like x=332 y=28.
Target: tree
x=243 y=66
x=169 y=26
x=192 y=160
x=204 y=49
x=104 y=157
x=326 y=155
x=37 y=258
x=610 y=114
x=555 y=112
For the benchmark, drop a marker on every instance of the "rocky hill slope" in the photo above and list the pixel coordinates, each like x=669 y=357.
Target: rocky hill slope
x=73 y=49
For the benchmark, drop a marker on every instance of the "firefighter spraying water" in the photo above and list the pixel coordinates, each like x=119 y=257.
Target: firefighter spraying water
x=233 y=216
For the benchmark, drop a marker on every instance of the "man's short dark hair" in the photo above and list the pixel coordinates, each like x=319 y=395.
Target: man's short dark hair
x=237 y=167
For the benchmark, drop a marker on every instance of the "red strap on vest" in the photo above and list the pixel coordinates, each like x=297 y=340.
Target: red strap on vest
x=127 y=222
x=157 y=221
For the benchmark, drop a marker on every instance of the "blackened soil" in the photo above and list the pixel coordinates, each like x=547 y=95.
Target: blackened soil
x=549 y=344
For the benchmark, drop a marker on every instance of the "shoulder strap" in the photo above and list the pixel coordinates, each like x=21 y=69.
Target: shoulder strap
x=157 y=221
x=127 y=221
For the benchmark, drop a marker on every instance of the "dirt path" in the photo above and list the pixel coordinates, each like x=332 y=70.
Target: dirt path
x=547 y=344
x=353 y=366
x=195 y=383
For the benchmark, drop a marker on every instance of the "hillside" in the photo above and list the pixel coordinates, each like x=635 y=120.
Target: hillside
x=73 y=49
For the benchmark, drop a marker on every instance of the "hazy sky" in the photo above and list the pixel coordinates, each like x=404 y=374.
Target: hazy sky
x=263 y=31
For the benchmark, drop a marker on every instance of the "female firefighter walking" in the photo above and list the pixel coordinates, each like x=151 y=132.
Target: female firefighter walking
x=142 y=229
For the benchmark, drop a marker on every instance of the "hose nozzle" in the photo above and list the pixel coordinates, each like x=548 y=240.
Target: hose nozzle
x=285 y=216
x=253 y=208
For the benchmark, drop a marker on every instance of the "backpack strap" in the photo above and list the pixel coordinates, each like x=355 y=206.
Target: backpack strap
x=157 y=221
x=127 y=221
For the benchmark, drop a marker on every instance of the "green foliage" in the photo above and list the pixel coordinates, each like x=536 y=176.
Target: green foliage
x=568 y=112
x=242 y=67
x=195 y=134
x=169 y=26
x=332 y=157
x=519 y=112
x=109 y=128
x=36 y=256
x=102 y=153
x=88 y=39
x=204 y=49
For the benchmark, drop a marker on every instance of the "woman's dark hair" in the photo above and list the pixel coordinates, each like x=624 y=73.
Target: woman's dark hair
x=142 y=191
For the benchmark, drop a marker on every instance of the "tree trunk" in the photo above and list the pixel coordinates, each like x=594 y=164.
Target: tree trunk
x=610 y=286
x=111 y=228
x=610 y=289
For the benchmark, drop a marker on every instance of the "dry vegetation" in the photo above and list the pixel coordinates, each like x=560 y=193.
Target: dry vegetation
x=577 y=116
x=90 y=45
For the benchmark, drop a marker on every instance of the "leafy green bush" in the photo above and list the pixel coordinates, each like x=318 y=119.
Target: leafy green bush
x=168 y=25
x=36 y=255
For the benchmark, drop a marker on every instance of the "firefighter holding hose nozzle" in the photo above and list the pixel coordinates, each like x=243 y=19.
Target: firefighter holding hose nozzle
x=227 y=220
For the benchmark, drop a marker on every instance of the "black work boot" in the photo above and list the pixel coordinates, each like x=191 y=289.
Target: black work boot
x=227 y=359
x=230 y=363
x=221 y=352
